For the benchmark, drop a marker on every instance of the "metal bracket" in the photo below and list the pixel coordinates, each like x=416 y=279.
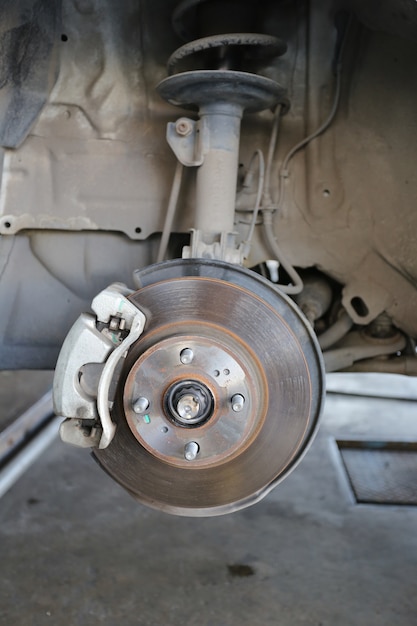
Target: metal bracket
x=186 y=141
x=222 y=250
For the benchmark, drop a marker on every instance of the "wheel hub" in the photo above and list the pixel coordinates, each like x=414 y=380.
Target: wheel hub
x=189 y=403
x=197 y=396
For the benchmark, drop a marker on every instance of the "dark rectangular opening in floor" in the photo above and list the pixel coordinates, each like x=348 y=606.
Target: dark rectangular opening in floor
x=381 y=472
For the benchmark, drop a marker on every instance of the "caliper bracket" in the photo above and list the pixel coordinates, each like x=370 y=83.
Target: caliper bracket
x=101 y=339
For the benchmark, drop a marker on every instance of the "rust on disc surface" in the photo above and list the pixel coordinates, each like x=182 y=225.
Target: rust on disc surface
x=272 y=344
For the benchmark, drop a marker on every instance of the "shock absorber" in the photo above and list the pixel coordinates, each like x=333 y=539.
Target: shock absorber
x=216 y=73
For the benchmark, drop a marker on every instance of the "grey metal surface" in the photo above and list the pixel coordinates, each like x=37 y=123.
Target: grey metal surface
x=254 y=48
x=47 y=280
x=89 y=345
x=249 y=91
x=381 y=472
x=373 y=385
x=85 y=163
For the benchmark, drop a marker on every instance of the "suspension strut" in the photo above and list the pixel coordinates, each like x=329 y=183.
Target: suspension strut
x=206 y=74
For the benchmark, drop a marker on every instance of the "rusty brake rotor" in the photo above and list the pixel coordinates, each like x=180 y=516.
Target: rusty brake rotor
x=219 y=397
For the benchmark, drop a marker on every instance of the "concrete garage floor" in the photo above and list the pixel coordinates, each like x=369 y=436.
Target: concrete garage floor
x=19 y=390
x=76 y=550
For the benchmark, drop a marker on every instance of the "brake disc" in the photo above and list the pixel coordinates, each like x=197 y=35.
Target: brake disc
x=220 y=396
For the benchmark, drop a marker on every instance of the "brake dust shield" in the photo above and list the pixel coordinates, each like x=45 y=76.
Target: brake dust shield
x=220 y=396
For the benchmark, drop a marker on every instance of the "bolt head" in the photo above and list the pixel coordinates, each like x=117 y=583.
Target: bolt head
x=188 y=407
x=183 y=127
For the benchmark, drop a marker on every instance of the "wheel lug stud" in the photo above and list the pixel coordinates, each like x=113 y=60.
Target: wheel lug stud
x=186 y=356
x=140 y=405
x=238 y=402
x=191 y=450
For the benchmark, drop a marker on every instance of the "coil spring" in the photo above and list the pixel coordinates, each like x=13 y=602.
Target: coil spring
x=195 y=20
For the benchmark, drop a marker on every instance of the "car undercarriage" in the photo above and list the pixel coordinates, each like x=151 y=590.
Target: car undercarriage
x=205 y=206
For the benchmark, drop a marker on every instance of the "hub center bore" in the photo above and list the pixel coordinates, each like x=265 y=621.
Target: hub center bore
x=189 y=403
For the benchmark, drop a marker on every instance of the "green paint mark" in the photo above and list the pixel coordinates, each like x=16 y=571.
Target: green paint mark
x=121 y=304
x=147 y=419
